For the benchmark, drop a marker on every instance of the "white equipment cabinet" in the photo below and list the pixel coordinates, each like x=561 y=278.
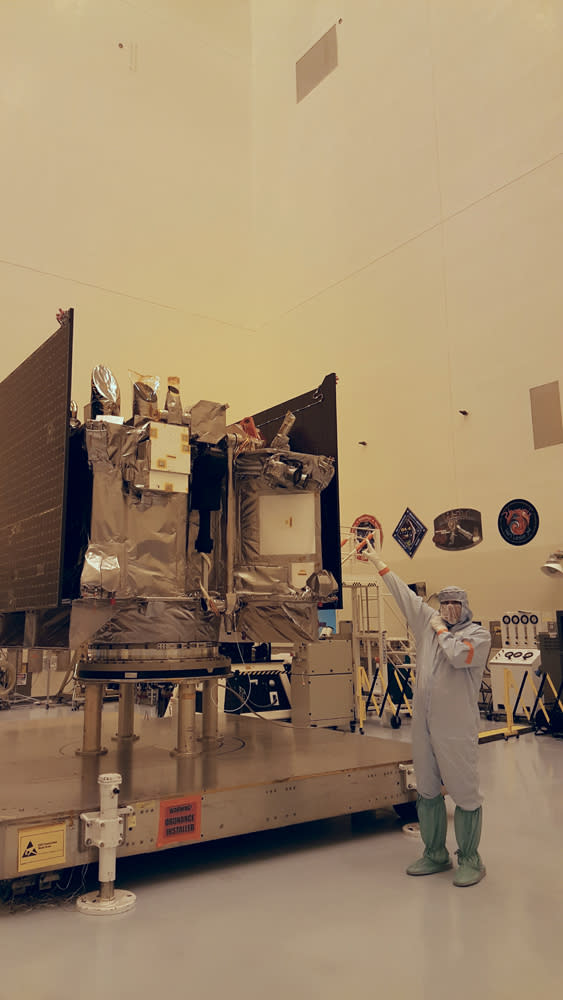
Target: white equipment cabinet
x=322 y=688
x=517 y=661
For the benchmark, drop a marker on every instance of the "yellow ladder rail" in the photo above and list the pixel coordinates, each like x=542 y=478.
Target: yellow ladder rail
x=511 y=729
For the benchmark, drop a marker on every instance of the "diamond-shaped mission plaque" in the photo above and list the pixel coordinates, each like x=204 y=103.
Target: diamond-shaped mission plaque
x=409 y=532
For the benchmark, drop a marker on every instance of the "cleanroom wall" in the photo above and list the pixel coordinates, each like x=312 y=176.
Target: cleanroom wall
x=126 y=174
x=401 y=225
x=409 y=218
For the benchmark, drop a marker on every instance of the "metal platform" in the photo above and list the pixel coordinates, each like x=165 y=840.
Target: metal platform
x=259 y=776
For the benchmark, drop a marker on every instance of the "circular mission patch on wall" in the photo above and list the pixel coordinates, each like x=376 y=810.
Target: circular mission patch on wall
x=518 y=522
x=363 y=526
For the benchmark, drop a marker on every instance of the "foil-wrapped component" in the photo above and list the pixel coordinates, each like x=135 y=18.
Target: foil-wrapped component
x=286 y=469
x=323 y=585
x=101 y=573
x=208 y=421
x=141 y=621
x=279 y=519
x=173 y=402
x=264 y=580
x=105 y=397
x=283 y=621
x=145 y=398
x=143 y=532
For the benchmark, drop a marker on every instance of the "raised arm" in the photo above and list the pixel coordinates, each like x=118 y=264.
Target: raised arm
x=417 y=612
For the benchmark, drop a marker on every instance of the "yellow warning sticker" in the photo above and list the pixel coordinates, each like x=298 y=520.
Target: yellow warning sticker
x=41 y=846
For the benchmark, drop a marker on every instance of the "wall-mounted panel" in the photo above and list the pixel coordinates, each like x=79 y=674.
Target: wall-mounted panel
x=316 y=64
x=545 y=402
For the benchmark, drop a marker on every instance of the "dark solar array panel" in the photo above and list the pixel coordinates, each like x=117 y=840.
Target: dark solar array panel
x=34 y=422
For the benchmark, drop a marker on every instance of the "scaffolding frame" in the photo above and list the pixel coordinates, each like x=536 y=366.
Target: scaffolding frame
x=385 y=657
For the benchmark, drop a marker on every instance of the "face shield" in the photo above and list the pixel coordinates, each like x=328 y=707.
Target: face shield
x=450 y=611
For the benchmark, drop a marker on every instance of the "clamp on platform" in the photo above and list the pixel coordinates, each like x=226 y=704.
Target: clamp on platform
x=408 y=777
x=106 y=831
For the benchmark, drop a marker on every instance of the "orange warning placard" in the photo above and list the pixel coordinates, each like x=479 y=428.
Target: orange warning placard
x=180 y=821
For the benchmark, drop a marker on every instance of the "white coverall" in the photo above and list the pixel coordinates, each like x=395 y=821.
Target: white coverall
x=449 y=668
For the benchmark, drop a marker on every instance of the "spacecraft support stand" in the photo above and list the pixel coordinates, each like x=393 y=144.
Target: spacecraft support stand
x=106 y=831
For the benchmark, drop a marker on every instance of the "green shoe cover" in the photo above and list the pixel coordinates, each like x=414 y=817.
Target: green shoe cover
x=470 y=871
x=427 y=866
x=468 y=824
x=433 y=823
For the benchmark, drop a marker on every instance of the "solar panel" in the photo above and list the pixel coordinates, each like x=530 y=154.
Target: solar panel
x=34 y=432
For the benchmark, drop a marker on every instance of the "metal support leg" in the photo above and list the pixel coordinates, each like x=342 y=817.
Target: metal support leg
x=539 y=701
x=126 y=713
x=106 y=831
x=107 y=891
x=186 y=740
x=519 y=695
x=210 y=710
x=48 y=690
x=92 y=733
x=372 y=688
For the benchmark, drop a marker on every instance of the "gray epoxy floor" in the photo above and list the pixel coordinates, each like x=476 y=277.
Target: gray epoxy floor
x=322 y=910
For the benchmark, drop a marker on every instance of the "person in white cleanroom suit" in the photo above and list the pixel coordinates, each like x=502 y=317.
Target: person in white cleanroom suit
x=451 y=654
